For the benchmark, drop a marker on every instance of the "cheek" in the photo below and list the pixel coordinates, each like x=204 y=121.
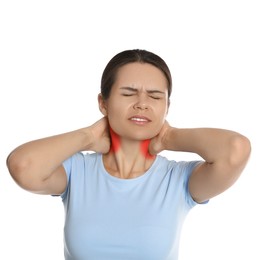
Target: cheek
x=117 y=109
x=159 y=122
x=116 y=115
x=161 y=115
x=157 y=129
x=114 y=106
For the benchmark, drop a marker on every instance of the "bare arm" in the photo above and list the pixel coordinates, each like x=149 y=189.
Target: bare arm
x=225 y=153
x=37 y=165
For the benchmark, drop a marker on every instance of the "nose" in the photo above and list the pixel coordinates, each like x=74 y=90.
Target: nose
x=141 y=103
x=140 y=107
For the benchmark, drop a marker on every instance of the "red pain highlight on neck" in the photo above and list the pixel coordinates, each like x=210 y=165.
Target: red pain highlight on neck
x=144 y=146
x=116 y=144
x=115 y=141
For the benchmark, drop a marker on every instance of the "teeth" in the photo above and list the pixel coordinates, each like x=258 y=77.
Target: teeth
x=139 y=119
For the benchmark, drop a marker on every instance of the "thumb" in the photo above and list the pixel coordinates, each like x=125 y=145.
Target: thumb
x=154 y=146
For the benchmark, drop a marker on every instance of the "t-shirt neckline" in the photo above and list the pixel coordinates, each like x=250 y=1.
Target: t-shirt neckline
x=136 y=179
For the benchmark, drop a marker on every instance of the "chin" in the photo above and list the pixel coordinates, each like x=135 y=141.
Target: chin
x=136 y=134
x=142 y=136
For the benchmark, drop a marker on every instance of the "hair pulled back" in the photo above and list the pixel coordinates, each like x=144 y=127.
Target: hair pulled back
x=130 y=56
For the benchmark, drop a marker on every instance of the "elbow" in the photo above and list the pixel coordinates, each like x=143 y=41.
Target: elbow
x=239 y=154
x=19 y=169
x=16 y=166
x=240 y=151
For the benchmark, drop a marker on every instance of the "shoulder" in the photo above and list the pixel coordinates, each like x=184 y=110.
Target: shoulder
x=81 y=160
x=78 y=168
x=81 y=157
x=176 y=175
x=176 y=171
x=177 y=166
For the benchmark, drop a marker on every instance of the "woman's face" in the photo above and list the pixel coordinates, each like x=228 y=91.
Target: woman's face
x=138 y=102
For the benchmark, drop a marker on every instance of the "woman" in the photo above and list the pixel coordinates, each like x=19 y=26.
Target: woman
x=123 y=200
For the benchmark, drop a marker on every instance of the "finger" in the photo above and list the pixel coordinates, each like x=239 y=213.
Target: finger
x=152 y=147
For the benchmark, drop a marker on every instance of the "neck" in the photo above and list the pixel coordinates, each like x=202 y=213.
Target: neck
x=116 y=145
x=127 y=159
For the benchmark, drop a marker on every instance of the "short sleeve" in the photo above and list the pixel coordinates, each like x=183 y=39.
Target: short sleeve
x=186 y=169
x=67 y=167
x=70 y=165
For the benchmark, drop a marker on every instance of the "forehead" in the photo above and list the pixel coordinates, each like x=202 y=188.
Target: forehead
x=141 y=74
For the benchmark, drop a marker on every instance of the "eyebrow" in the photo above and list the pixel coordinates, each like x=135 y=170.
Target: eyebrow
x=152 y=91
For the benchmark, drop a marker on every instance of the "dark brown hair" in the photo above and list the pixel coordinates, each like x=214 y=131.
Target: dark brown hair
x=130 y=56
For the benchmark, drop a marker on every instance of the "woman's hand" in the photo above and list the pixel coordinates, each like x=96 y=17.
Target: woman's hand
x=157 y=143
x=100 y=136
x=225 y=154
x=37 y=165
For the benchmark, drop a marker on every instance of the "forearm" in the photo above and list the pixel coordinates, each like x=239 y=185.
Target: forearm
x=43 y=156
x=211 y=144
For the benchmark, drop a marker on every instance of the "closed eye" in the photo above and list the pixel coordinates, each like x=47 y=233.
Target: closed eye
x=127 y=94
x=153 y=97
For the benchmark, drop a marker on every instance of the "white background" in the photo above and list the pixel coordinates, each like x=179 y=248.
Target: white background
x=52 y=54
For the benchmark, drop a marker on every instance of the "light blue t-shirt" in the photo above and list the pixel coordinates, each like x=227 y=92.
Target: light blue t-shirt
x=109 y=218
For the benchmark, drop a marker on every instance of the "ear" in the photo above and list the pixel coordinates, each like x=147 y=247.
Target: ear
x=169 y=103
x=102 y=105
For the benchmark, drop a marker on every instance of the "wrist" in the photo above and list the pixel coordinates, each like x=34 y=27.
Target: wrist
x=86 y=138
x=169 y=139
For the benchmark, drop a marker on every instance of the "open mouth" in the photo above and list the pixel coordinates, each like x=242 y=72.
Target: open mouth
x=140 y=119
